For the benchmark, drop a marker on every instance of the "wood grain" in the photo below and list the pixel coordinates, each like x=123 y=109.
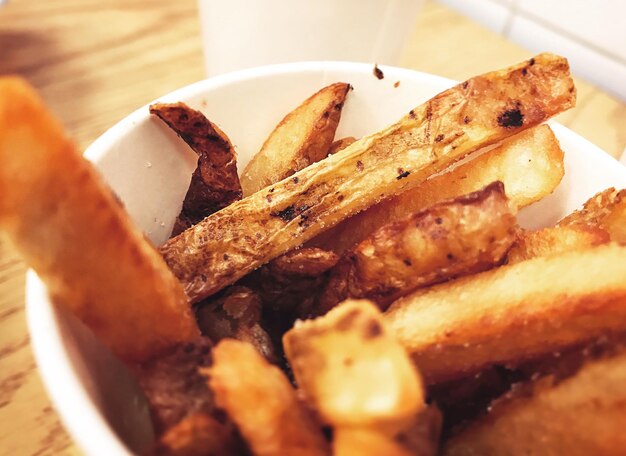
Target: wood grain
x=94 y=62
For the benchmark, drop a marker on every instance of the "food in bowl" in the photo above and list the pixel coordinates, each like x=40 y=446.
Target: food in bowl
x=400 y=413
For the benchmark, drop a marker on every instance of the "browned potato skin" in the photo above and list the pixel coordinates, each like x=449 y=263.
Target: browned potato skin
x=262 y=403
x=340 y=144
x=214 y=183
x=512 y=313
x=301 y=138
x=69 y=226
x=555 y=240
x=221 y=249
x=530 y=164
x=606 y=210
x=352 y=370
x=581 y=415
x=197 y=435
x=469 y=234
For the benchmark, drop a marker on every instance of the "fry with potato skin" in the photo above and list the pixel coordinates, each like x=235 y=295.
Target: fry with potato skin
x=262 y=403
x=513 y=313
x=301 y=138
x=69 y=226
x=530 y=164
x=469 y=234
x=554 y=240
x=351 y=368
x=215 y=182
x=220 y=249
x=581 y=415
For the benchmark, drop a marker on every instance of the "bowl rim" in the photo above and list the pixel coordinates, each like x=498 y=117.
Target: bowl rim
x=77 y=411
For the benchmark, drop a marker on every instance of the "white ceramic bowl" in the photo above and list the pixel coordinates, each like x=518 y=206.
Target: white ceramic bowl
x=150 y=168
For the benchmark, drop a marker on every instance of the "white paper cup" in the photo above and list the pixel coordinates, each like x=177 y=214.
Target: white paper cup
x=241 y=34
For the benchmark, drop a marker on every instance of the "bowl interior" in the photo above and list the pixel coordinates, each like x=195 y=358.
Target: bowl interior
x=149 y=167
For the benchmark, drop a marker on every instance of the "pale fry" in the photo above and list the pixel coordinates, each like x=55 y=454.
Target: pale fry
x=72 y=230
x=512 y=313
x=301 y=138
x=262 y=403
x=607 y=210
x=462 y=236
x=214 y=183
x=483 y=110
x=581 y=415
x=554 y=240
x=351 y=368
x=529 y=164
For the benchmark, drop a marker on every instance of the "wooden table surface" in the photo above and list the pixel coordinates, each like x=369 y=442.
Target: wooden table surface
x=96 y=61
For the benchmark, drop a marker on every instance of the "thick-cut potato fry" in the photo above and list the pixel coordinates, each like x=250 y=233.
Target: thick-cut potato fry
x=359 y=441
x=483 y=110
x=214 y=183
x=197 y=435
x=71 y=229
x=530 y=164
x=513 y=313
x=462 y=236
x=607 y=210
x=340 y=144
x=351 y=368
x=262 y=403
x=301 y=138
x=582 y=415
x=554 y=240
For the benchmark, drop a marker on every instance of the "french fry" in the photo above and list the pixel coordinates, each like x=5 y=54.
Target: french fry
x=71 y=229
x=352 y=370
x=555 y=240
x=359 y=441
x=197 y=435
x=340 y=144
x=606 y=210
x=530 y=164
x=483 y=110
x=581 y=415
x=301 y=138
x=457 y=237
x=262 y=403
x=513 y=313
x=214 y=183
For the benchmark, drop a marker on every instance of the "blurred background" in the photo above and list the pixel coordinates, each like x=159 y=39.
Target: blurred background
x=96 y=61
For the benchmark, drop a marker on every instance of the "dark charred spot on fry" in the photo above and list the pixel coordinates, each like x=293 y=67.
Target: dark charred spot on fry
x=412 y=114
x=286 y=214
x=465 y=84
x=326 y=114
x=396 y=84
x=378 y=72
x=225 y=257
x=372 y=329
x=339 y=106
x=439 y=138
x=429 y=112
x=407 y=261
x=450 y=256
x=183 y=117
x=268 y=198
x=402 y=174
x=340 y=197
x=271 y=190
x=438 y=220
x=359 y=165
x=295 y=180
x=511 y=118
x=466 y=120
x=531 y=62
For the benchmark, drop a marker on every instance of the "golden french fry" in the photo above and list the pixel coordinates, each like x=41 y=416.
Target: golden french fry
x=340 y=144
x=71 y=229
x=606 y=210
x=512 y=313
x=555 y=240
x=197 y=435
x=483 y=110
x=530 y=164
x=214 y=183
x=262 y=403
x=301 y=138
x=581 y=415
x=457 y=237
x=359 y=441
x=352 y=370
